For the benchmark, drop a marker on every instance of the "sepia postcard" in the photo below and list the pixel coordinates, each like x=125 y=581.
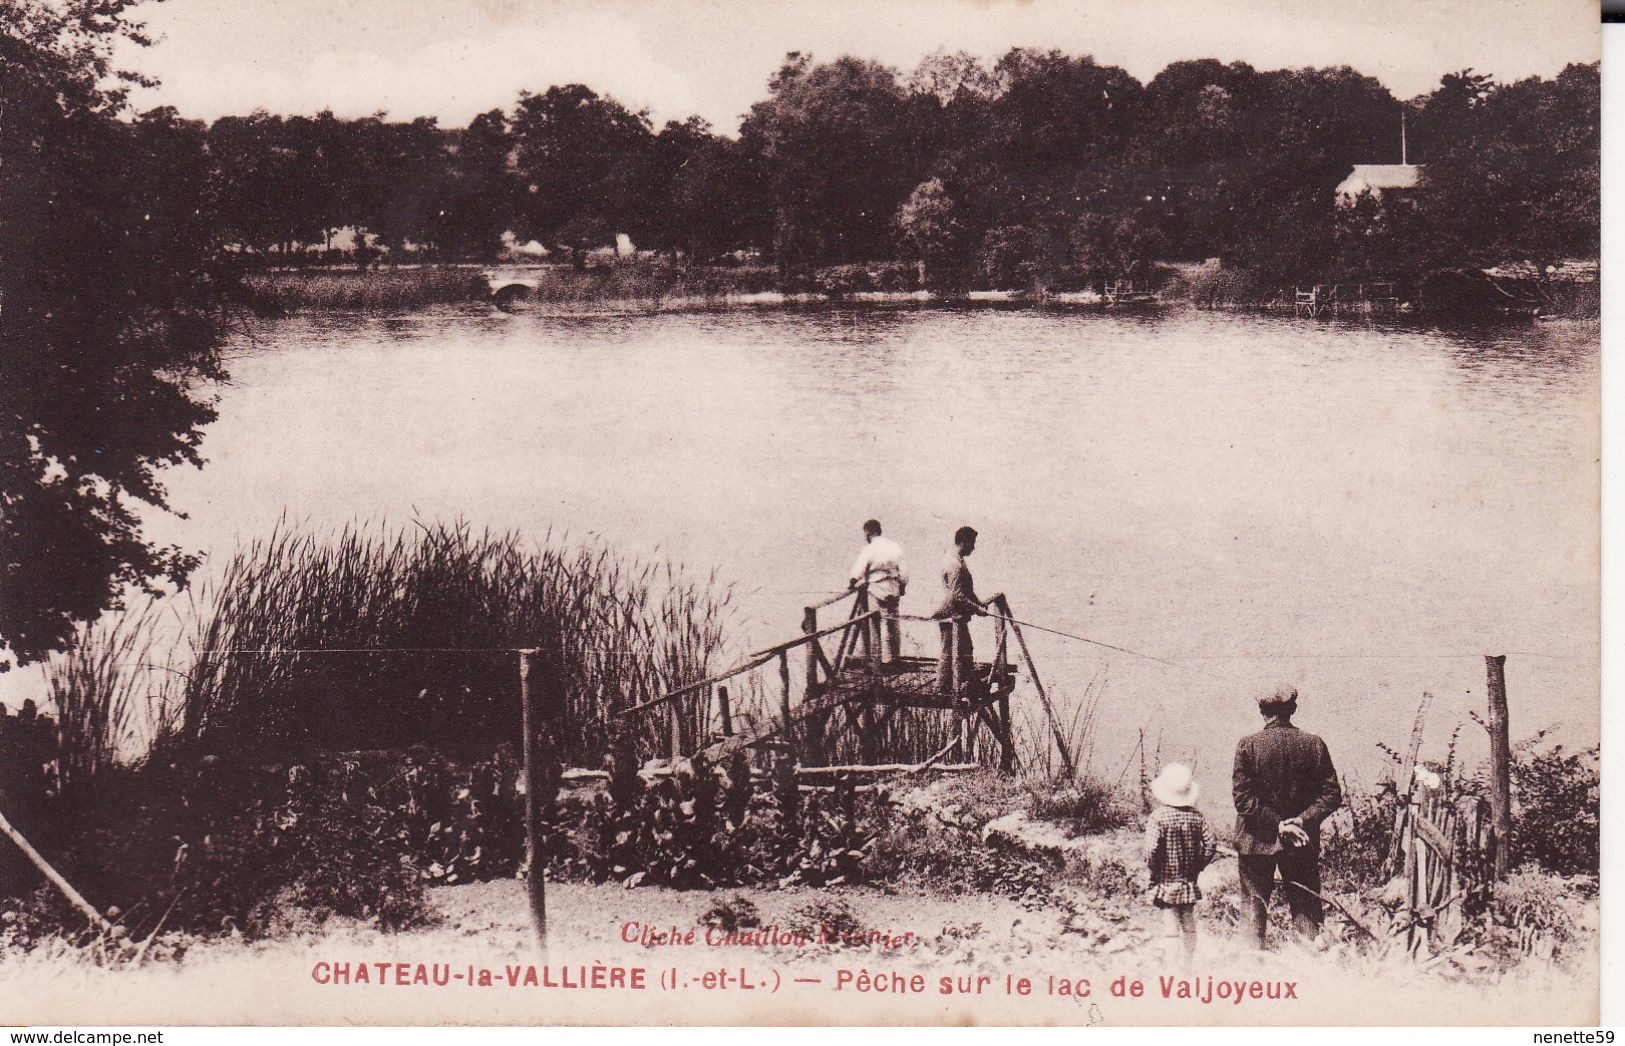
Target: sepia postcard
x=932 y=512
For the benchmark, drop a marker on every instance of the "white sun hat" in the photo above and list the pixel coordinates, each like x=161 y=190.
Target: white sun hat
x=1175 y=786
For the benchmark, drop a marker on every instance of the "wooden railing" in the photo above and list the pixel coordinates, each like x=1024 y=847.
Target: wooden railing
x=829 y=681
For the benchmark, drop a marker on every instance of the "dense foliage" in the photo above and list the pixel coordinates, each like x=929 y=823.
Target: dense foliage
x=108 y=286
x=1043 y=169
x=1556 y=794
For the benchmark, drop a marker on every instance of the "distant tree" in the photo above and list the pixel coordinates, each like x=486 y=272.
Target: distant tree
x=931 y=230
x=1444 y=119
x=1315 y=124
x=1114 y=246
x=579 y=158
x=408 y=166
x=260 y=183
x=951 y=78
x=1520 y=179
x=482 y=192
x=108 y=286
x=1054 y=113
x=841 y=153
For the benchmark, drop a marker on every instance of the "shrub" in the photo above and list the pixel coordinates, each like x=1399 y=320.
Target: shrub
x=1355 y=840
x=840 y=280
x=243 y=847
x=1084 y=808
x=1218 y=288
x=1556 y=796
x=685 y=830
x=828 y=920
x=731 y=914
x=1536 y=903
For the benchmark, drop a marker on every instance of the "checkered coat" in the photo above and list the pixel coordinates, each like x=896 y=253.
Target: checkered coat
x=1178 y=845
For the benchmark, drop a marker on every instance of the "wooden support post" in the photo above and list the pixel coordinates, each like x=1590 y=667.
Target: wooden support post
x=1007 y=752
x=535 y=849
x=957 y=686
x=809 y=625
x=1500 y=763
x=784 y=704
x=725 y=712
x=867 y=636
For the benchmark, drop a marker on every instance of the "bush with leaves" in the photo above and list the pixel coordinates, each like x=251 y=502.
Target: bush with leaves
x=1555 y=793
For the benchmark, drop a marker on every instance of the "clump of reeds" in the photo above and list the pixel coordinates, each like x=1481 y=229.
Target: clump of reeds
x=363 y=290
x=370 y=639
x=1070 y=790
x=376 y=639
x=113 y=695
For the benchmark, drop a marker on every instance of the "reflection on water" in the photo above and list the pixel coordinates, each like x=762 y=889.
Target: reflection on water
x=1364 y=510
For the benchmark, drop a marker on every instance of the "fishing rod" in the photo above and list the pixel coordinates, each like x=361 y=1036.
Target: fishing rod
x=1094 y=642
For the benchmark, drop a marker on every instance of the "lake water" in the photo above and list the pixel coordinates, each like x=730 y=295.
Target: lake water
x=1364 y=511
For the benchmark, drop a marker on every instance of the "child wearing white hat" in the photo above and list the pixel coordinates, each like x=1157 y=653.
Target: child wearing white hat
x=1178 y=845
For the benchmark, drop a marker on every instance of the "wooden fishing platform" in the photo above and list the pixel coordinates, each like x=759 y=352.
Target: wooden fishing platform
x=845 y=702
x=1129 y=294
x=1331 y=299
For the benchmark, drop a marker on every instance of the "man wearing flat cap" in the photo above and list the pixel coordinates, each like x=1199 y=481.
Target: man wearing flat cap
x=1284 y=786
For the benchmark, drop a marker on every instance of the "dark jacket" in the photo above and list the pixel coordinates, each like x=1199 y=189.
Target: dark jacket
x=1281 y=772
x=960 y=599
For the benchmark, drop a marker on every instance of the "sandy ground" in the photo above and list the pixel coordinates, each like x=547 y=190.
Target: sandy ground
x=949 y=960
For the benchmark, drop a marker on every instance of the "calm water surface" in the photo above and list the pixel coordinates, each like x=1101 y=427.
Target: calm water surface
x=1364 y=511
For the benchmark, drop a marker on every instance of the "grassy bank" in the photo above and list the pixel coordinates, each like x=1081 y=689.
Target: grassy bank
x=365 y=290
x=646 y=284
x=384 y=289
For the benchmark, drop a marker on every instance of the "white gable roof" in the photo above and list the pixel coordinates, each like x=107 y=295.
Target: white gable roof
x=1376 y=177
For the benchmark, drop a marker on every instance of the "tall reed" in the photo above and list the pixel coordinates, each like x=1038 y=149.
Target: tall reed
x=370 y=638
x=376 y=639
x=113 y=695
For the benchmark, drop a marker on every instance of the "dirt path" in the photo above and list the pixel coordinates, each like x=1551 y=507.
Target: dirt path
x=933 y=958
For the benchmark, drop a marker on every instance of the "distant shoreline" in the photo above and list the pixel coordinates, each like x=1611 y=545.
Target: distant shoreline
x=647 y=287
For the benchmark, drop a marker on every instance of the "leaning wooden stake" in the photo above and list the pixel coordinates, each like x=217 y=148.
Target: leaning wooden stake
x=1500 y=763
x=74 y=897
x=1405 y=786
x=535 y=854
x=1067 y=762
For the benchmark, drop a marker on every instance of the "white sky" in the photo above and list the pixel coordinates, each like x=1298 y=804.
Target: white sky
x=455 y=58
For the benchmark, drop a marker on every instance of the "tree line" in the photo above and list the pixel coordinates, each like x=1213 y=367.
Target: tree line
x=1041 y=168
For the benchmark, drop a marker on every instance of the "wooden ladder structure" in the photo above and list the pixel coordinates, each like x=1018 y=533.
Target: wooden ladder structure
x=848 y=696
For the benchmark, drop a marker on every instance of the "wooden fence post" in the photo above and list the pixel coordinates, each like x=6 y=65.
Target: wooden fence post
x=1500 y=763
x=535 y=852
x=784 y=703
x=725 y=711
x=809 y=625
